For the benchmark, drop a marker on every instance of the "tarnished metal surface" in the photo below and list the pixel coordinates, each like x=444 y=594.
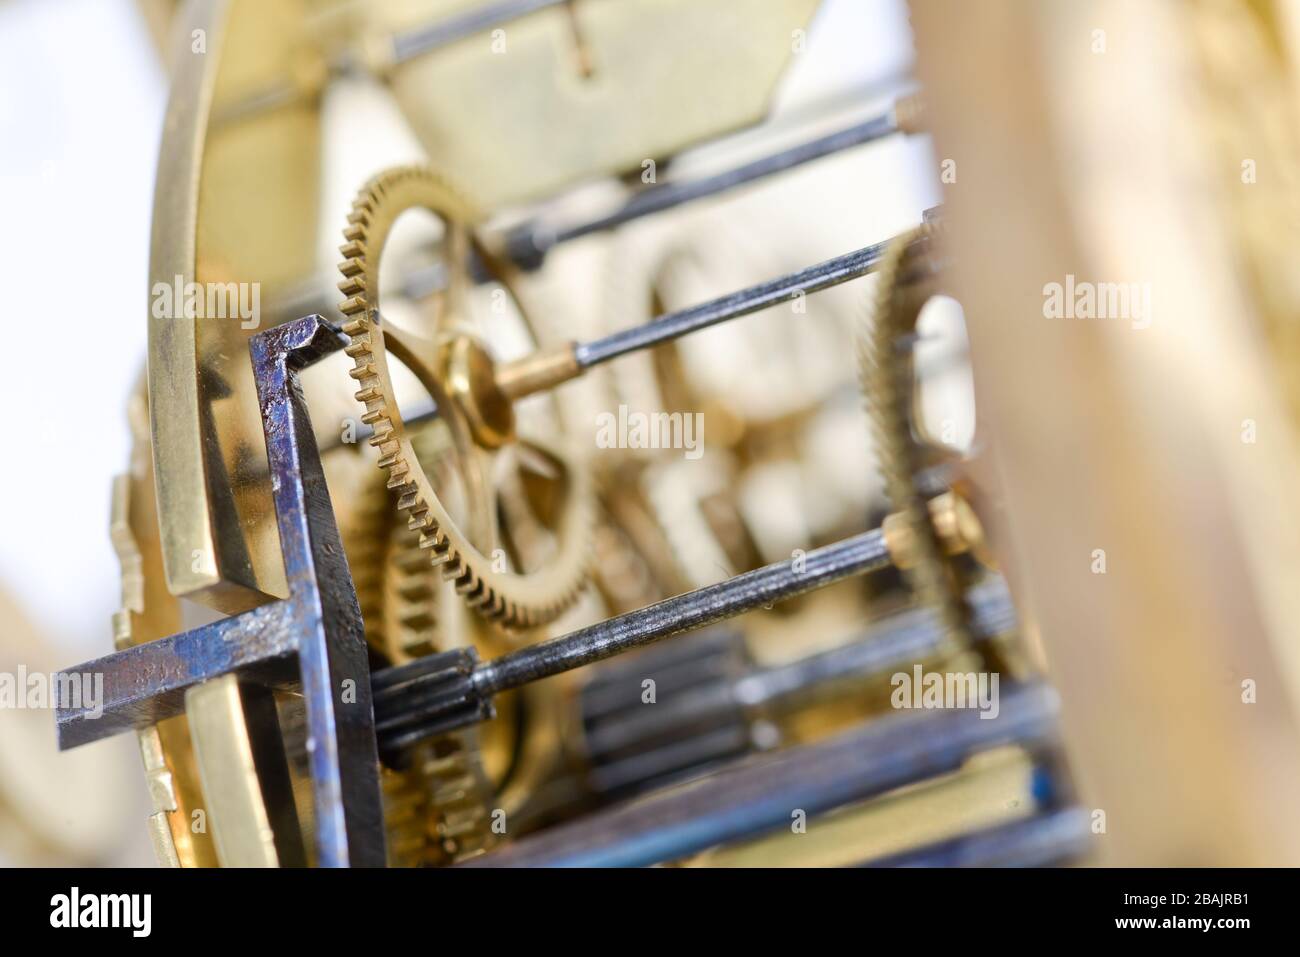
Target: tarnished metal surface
x=319 y=622
x=762 y=794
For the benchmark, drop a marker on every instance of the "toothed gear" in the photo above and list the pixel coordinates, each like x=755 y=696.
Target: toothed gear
x=397 y=589
x=409 y=626
x=887 y=385
x=513 y=600
x=438 y=809
x=406 y=816
x=461 y=792
x=364 y=515
x=410 y=617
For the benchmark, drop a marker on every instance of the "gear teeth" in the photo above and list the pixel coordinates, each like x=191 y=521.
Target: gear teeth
x=886 y=386
x=353 y=306
x=405 y=800
x=373 y=211
x=443 y=766
x=436 y=811
x=452 y=791
x=438 y=554
x=473 y=593
x=353 y=286
x=458 y=789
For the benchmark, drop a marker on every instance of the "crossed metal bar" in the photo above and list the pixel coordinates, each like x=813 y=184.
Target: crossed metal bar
x=318 y=626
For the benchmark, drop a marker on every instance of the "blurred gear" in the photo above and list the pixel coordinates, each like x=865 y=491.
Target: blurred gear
x=887 y=381
x=438 y=810
x=436 y=807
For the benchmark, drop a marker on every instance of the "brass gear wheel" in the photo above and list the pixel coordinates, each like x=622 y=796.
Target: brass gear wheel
x=437 y=810
x=458 y=372
x=888 y=388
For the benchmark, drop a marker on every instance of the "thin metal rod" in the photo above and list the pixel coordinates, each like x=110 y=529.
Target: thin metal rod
x=911 y=637
x=429 y=36
x=634 y=744
x=694 y=609
x=445 y=691
x=404 y=46
x=550 y=367
x=529 y=243
x=673 y=325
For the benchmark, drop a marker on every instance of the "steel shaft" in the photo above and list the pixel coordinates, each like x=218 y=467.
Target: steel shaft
x=442 y=692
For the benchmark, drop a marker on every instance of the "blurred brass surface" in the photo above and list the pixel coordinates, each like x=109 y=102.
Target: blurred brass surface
x=149 y=611
x=234 y=204
x=237 y=813
x=994 y=789
x=1153 y=549
x=578 y=85
x=955 y=524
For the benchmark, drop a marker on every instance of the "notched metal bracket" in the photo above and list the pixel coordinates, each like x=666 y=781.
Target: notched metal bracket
x=319 y=625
